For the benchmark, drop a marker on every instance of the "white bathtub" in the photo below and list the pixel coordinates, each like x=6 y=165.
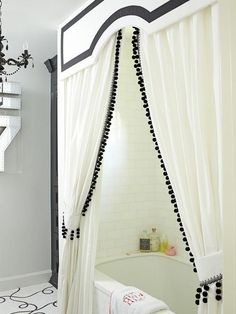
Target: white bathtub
x=167 y=278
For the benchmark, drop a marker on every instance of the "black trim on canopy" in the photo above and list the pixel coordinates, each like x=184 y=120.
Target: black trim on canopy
x=148 y=16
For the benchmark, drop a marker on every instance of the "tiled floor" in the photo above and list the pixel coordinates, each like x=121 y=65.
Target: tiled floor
x=29 y=300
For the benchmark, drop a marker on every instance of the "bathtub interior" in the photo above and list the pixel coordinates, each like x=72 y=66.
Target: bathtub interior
x=165 y=278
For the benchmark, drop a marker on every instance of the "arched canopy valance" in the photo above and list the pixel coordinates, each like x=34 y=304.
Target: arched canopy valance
x=83 y=34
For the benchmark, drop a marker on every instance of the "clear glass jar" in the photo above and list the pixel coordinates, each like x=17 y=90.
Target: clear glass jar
x=154 y=241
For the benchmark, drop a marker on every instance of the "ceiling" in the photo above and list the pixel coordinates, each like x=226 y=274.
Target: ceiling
x=44 y=12
x=36 y=22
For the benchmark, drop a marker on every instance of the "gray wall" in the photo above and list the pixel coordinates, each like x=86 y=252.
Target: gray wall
x=25 y=184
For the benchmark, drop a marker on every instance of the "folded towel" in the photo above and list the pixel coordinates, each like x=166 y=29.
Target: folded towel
x=131 y=300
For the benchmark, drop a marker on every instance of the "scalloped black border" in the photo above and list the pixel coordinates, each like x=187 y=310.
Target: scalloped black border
x=148 y=16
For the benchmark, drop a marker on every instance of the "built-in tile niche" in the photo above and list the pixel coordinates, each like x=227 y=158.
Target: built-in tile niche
x=131 y=193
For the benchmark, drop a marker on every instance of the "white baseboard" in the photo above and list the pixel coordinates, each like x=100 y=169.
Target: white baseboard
x=8 y=283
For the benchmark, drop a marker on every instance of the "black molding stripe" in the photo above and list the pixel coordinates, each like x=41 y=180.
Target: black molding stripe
x=148 y=16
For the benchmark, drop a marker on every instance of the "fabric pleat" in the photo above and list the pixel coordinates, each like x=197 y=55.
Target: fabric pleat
x=181 y=72
x=86 y=99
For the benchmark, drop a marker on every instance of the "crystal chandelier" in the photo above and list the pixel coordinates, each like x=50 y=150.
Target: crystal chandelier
x=22 y=61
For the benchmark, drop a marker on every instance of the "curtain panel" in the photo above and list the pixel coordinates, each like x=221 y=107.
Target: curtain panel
x=181 y=69
x=86 y=99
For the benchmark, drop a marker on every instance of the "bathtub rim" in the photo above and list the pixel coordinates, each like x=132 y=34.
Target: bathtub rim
x=107 y=284
x=175 y=258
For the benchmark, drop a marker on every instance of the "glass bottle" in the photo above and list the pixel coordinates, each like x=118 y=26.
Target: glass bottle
x=163 y=243
x=144 y=242
x=154 y=240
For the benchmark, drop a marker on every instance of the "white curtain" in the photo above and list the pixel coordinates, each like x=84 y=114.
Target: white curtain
x=86 y=99
x=182 y=77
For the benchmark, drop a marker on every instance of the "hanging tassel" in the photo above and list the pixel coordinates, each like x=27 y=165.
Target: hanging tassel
x=64 y=229
x=198 y=296
x=205 y=286
x=205 y=293
x=72 y=234
x=202 y=294
x=218 y=290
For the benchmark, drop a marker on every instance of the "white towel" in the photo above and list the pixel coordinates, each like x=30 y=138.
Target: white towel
x=131 y=300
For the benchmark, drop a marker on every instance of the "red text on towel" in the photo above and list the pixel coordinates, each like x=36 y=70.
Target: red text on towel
x=132 y=297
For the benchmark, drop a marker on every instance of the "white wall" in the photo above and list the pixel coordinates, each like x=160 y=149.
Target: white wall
x=133 y=194
x=24 y=192
x=227 y=24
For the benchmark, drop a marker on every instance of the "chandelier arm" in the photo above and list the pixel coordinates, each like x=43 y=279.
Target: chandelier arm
x=2 y=61
x=12 y=61
x=21 y=61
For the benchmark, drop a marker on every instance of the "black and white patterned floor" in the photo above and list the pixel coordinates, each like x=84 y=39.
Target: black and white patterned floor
x=39 y=299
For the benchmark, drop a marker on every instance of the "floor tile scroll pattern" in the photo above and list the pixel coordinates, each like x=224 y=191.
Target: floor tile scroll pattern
x=40 y=299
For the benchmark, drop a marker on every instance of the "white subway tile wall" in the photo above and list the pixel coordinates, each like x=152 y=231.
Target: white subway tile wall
x=131 y=187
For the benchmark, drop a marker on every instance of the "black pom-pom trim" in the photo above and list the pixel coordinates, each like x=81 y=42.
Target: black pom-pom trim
x=144 y=98
x=218 y=297
x=197 y=302
x=218 y=291
x=206 y=288
x=103 y=142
